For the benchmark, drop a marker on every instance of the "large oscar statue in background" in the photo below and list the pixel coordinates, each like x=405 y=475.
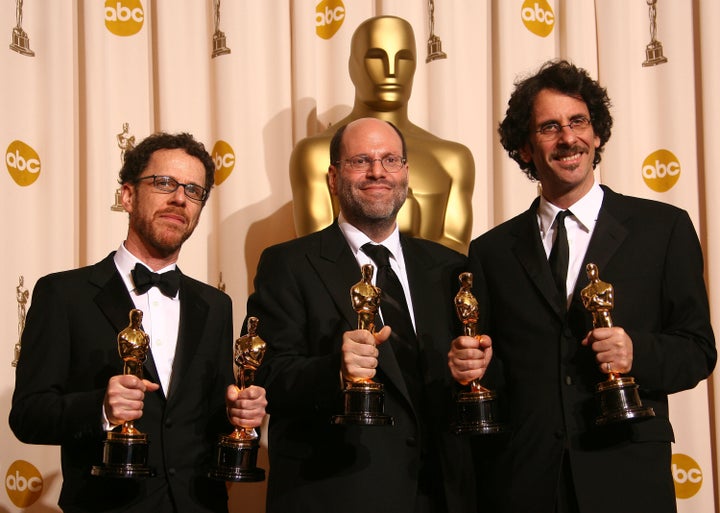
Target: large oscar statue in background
x=442 y=173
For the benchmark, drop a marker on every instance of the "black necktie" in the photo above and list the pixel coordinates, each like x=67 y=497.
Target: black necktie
x=395 y=314
x=560 y=254
x=144 y=279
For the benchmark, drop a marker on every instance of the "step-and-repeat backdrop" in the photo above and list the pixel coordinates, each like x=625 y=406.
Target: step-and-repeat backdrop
x=85 y=80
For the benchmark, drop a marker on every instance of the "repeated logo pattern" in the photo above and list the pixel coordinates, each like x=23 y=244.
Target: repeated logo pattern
x=23 y=163
x=661 y=170
x=329 y=17
x=224 y=157
x=538 y=17
x=23 y=483
x=124 y=17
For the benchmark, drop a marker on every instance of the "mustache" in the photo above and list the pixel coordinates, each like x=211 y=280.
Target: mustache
x=378 y=181
x=175 y=212
x=566 y=152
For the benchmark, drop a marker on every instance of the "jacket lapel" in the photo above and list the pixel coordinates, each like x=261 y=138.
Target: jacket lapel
x=529 y=251
x=193 y=315
x=337 y=270
x=114 y=301
x=607 y=237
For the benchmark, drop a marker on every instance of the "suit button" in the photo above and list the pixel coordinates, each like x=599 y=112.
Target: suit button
x=411 y=442
x=560 y=433
x=171 y=471
x=568 y=380
x=168 y=423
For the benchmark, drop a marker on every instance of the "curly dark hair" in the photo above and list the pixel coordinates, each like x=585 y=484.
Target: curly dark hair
x=566 y=78
x=136 y=159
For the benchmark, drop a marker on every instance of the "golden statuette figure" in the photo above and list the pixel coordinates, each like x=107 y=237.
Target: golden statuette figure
x=654 y=49
x=21 y=295
x=219 y=40
x=434 y=45
x=125 y=451
x=236 y=453
x=365 y=299
x=476 y=408
x=364 y=400
x=20 y=41
x=618 y=396
x=382 y=65
x=125 y=142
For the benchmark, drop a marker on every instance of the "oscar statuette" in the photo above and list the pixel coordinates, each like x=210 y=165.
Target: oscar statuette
x=476 y=408
x=236 y=453
x=618 y=396
x=125 y=452
x=364 y=400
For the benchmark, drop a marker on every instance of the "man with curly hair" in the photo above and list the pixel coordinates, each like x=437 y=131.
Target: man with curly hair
x=546 y=357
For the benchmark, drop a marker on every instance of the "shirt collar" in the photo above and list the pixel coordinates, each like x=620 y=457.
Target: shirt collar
x=125 y=262
x=356 y=239
x=585 y=210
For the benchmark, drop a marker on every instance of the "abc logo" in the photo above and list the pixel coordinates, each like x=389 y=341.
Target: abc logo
x=538 y=17
x=23 y=483
x=23 y=163
x=329 y=16
x=124 y=17
x=687 y=476
x=661 y=170
x=224 y=158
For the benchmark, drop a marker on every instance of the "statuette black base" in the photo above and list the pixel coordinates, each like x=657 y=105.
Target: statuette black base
x=364 y=405
x=124 y=456
x=235 y=460
x=619 y=401
x=477 y=413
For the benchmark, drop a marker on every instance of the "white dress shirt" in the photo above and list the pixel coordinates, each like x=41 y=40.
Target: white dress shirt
x=579 y=226
x=356 y=239
x=161 y=315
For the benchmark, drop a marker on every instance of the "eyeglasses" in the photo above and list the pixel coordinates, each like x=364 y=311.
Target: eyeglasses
x=552 y=129
x=168 y=185
x=363 y=163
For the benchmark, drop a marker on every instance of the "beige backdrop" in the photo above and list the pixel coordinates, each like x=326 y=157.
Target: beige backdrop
x=96 y=65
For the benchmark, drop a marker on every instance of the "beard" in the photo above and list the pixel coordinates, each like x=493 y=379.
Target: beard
x=360 y=211
x=165 y=238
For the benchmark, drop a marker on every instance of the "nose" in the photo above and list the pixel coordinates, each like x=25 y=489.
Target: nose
x=376 y=168
x=567 y=135
x=178 y=196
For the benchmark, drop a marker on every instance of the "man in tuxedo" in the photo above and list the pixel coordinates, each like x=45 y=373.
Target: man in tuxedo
x=303 y=294
x=546 y=357
x=70 y=387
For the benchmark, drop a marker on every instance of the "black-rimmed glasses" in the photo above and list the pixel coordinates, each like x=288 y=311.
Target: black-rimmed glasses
x=168 y=185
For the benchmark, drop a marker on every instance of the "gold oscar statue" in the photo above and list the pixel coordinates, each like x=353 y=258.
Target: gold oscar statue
x=654 y=49
x=20 y=41
x=21 y=295
x=219 y=41
x=382 y=65
x=236 y=453
x=125 y=142
x=125 y=451
x=618 y=395
x=364 y=400
x=476 y=408
x=434 y=45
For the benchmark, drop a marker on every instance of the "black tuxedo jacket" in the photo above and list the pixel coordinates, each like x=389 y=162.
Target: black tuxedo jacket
x=302 y=299
x=69 y=351
x=650 y=253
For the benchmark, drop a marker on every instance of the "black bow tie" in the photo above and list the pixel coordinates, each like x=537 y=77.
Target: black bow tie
x=144 y=279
